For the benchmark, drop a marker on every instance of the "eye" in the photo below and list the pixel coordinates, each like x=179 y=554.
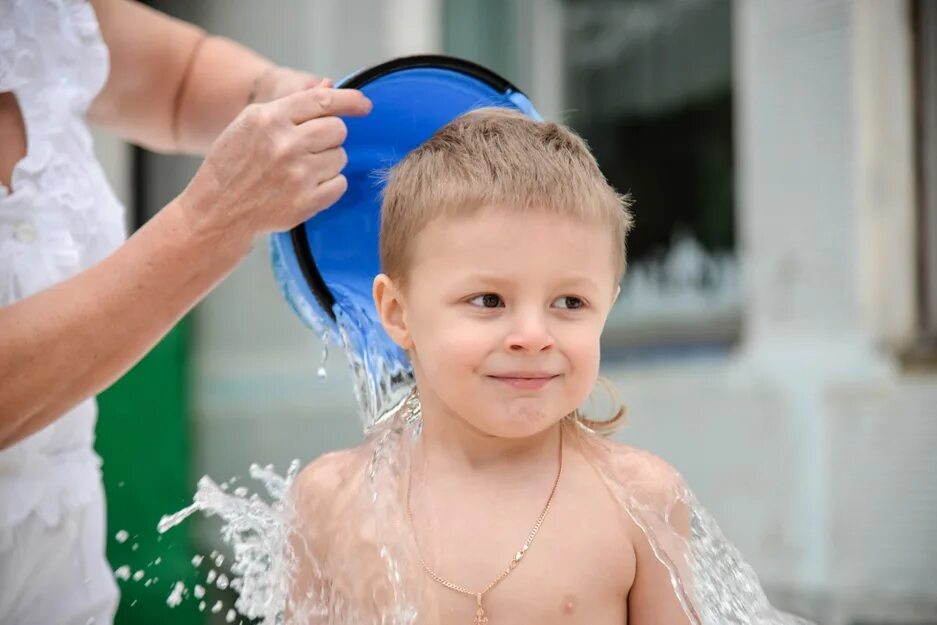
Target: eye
x=487 y=300
x=569 y=302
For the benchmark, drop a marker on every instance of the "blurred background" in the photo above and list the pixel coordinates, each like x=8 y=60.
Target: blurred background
x=776 y=337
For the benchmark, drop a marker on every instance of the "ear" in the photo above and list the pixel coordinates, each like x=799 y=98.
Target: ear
x=391 y=309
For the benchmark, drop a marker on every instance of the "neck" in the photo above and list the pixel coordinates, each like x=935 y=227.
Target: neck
x=449 y=443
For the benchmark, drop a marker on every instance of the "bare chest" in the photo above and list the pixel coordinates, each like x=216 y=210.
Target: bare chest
x=579 y=569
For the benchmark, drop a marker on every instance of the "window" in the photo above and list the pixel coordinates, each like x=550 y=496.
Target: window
x=649 y=85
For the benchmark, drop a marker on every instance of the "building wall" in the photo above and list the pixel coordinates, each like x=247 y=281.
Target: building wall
x=811 y=442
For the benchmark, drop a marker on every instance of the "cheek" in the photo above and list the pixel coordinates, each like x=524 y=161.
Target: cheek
x=582 y=350
x=585 y=359
x=449 y=344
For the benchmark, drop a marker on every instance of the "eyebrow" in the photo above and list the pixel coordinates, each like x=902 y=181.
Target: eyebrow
x=496 y=281
x=579 y=281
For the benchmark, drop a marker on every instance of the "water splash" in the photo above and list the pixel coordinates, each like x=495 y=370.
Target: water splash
x=255 y=528
x=321 y=372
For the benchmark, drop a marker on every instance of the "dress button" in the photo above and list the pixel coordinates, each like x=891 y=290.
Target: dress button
x=25 y=232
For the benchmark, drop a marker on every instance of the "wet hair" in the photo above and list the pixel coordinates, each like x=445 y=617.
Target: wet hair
x=495 y=157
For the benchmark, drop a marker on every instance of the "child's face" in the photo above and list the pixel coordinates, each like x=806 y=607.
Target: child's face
x=502 y=315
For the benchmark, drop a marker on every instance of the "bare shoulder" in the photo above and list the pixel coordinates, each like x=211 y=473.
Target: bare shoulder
x=326 y=470
x=320 y=498
x=651 y=486
x=646 y=468
x=657 y=500
x=320 y=480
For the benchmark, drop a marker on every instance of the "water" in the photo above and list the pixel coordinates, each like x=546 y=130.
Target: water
x=353 y=543
x=320 y=372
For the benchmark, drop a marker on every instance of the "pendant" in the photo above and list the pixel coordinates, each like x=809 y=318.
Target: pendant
x=480 y=618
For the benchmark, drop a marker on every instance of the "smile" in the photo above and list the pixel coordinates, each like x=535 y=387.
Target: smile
x=524 y=383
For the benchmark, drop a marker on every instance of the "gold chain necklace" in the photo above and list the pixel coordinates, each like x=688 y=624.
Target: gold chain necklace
x=480 y=616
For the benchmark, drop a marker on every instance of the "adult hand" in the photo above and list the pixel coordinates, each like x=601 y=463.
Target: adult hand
x=277 y=82
x=276 y=165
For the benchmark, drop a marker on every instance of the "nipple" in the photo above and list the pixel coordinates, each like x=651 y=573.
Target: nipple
x=569 y=604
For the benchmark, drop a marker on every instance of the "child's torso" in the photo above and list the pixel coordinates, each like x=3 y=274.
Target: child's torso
x=578 y=569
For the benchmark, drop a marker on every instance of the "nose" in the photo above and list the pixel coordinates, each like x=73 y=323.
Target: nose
x=529 y=333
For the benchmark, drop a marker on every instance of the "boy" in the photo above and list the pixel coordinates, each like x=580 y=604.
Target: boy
x=491 y=500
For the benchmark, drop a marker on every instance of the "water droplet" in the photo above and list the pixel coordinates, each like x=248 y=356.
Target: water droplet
x=197 y=560
x=211 y=576
x=215 y=609
x=230 y=616
x=321 y=372
x=219 y=560
x=169 y=521
x=175 y=597
x=222 y=581
x=122 y=572
x=157 y=560
x=198 y=591
x=138 y=576
x=121 y=536
x=135 y=547
x=201 y=606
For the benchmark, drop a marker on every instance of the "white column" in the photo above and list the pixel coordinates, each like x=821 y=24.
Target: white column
x=884 y=171
x=540 y=46
x=412 y=27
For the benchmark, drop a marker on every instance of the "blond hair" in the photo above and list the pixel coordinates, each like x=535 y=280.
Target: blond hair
x=498 y=157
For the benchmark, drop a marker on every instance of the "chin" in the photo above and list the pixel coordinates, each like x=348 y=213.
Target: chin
x=518 y=424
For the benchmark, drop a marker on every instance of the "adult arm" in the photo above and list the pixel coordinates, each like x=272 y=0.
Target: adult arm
x=172 y=87
x=276 y=165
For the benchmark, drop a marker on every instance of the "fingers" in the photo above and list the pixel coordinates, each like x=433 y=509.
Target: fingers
x=326 y=165
x=316 y=81
x=326 y=194
x=323 y=102
x=322 y=133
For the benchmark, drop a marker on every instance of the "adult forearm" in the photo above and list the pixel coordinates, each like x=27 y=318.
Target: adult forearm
x=71 y=341
x=277 y=165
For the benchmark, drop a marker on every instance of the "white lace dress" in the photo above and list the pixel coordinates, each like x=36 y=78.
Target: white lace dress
x=58 y=218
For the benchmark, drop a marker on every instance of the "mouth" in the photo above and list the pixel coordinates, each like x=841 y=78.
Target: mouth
x=525 y=381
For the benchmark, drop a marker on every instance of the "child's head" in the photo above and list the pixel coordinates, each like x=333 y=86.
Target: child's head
x=502 y=246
